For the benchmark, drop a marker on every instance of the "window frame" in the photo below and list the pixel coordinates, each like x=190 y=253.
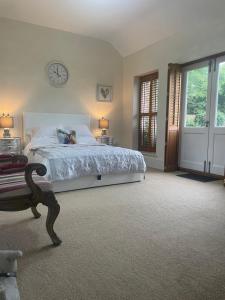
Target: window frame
x=149 y=148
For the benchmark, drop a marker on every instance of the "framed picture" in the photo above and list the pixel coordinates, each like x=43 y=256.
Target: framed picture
x=104 y=93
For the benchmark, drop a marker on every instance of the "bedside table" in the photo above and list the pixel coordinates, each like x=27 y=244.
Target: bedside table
x=105 y=139
x=10 y=145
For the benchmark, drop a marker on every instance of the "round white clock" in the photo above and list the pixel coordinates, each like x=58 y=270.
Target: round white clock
x=57 y=74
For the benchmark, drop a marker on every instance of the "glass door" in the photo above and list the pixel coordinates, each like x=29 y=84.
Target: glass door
x=216 y=156
x=195 y=116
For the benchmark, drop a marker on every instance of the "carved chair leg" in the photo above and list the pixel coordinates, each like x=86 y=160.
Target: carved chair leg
x=35 y=212
x=53 y=212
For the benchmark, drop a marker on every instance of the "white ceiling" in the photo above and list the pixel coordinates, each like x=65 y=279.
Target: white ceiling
x=129 y=25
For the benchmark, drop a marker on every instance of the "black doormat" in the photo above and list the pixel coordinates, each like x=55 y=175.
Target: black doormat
x=197 y=177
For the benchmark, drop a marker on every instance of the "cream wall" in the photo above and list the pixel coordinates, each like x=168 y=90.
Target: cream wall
x=177 y=49
x=25 y=50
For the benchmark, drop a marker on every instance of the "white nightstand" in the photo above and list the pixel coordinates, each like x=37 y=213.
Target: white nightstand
x=10 y=145
x=105 y=139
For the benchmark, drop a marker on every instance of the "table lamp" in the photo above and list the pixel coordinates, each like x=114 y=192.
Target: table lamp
x=6 y=122
x=104 y=125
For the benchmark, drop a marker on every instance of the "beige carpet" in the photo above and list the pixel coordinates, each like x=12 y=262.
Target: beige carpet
x=163 y=238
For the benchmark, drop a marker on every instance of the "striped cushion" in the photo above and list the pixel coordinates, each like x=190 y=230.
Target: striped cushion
x=15 y=184
x=12 y=168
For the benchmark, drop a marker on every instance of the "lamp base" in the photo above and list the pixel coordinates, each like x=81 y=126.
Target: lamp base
x=104 y=132
x=6 y=133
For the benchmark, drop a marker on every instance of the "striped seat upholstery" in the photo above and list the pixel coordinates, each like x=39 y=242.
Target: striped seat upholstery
x=14 y=184
x=10 y=163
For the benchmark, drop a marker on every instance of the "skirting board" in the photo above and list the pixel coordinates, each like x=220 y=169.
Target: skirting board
x=92 y=181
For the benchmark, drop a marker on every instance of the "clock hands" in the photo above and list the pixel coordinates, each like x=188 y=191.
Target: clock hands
x=57 y=72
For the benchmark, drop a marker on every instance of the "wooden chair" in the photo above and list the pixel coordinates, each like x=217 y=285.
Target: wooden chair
x=20 y=189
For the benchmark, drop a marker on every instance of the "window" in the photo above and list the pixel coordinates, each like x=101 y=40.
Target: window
x=220 y=99
x=196 y=97
x=148 y=108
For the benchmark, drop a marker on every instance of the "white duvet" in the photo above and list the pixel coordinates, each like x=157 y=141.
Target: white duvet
x=73 y=161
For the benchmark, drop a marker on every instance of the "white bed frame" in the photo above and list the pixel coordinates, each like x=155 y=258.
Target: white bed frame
x=33 y=120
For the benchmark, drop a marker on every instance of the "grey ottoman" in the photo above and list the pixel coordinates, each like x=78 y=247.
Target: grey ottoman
x=8 y=268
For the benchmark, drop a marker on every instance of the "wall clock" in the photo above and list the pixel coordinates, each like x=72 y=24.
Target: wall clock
x=57 y=74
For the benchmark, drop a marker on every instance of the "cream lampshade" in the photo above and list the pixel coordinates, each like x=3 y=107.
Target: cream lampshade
x=104 y=125
x=6 y=122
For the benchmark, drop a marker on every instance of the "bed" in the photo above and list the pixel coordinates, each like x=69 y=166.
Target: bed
x=82 y=165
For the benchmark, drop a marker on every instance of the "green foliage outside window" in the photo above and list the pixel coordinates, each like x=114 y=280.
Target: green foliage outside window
x=197 y=89
x=220 y=120
x=197 y=84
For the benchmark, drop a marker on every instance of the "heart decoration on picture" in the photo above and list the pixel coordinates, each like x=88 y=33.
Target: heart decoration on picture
x=104 y=93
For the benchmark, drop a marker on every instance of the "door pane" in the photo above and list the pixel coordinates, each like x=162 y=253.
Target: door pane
x=220 y=101
x=196 y=97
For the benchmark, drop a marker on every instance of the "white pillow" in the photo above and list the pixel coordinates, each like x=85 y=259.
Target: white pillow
x=87 y=140
x=44 y=135
x=40 y=132
x=29 y=134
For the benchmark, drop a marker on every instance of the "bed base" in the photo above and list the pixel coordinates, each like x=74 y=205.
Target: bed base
x=95 y=181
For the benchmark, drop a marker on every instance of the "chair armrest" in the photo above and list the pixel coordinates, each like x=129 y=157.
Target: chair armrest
x=41 y=171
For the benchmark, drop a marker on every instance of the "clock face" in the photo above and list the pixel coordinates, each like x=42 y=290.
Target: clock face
x=57 y=74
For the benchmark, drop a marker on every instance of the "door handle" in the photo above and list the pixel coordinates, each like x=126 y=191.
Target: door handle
x=204 y=166
x=207 y=123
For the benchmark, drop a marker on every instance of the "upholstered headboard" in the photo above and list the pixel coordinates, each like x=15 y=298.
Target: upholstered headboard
x=34 y=120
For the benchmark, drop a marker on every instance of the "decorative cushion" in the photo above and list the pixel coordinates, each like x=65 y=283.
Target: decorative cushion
x=81 y=130
x=66 y=137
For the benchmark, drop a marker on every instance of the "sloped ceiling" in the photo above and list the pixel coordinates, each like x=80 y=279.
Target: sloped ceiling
x=129 y=25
